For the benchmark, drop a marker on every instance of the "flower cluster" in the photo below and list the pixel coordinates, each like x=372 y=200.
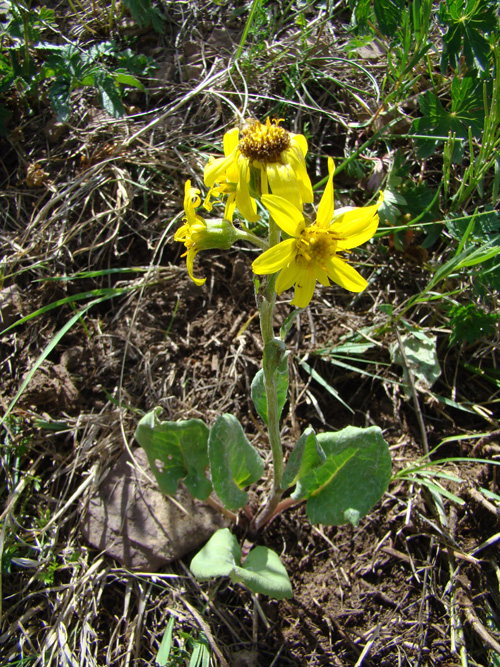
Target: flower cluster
x=266 y=163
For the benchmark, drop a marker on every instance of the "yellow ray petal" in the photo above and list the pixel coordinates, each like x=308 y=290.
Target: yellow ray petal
x=275 y=258
x=300 y=141
x=288 y=276
x=246 y=205
x=230 y=141
x=304 y=289
x=285 y=214
x=355 y=226
x=326 y=206
x=345 y=275
x=283 y=182
x=215 y=169
x=294 y=156
x=191 y=254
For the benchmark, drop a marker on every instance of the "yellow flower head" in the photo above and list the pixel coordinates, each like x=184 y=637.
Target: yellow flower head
x=264 y=157
x=310 y=253
x=198 y=234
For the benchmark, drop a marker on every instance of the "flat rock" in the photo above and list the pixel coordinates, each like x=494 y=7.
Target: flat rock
x=132 y=521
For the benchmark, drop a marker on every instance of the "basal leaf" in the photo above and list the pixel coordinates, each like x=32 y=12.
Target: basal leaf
x=263 y=572
x=421 y=358
x=234 y=462
x=175 y=451
x=219 y=557
x=352 y=479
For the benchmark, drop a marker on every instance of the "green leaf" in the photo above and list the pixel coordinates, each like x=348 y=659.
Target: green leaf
x=59 y=98
x=470 y=323
x=306 y=455
x=145 y=15
x=175 y=451
x=166 y=644
x=352 y=479
x=276 y=359
x=389 y=14
x=421 y=357
x=465 y=24
x=262 y=572
x=218 y=558
x=127 y=80
x=466 y=111
x=109 y=95
x=234 y=462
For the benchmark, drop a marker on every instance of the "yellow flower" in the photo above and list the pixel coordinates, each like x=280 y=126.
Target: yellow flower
x=264 y=157
x=310 y=253
x=198 y=234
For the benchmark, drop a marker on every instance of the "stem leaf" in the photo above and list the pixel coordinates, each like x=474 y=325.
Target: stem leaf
x=275 y=362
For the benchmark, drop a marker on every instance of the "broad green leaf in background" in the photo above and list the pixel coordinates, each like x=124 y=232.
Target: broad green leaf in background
x=470 y=323
x=262 y=571
x=234 y=462
x=175 y=451
x=421 y=357
x=389 y=14
x=274 y=354
x=306 y=455
x=465 y=111
x=352 y=479
x=467 y=20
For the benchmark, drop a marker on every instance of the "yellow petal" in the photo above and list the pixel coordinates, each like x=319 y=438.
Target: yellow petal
x=325 y=208
x=230 y=206
x=294 y=156
x=355 y=226
x=287 y=276
x=215 y=169
x=191 y=254
x=275 y=258
x=285 y=214
x=300 y=141
x=345 y=275
x=304 y=289
x=283 y=182
x=246 y=205
x=230 y=141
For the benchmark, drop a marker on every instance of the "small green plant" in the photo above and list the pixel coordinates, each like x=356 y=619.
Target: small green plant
x=28 y=64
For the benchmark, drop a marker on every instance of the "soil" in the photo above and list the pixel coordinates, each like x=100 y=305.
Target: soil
x=414 y=584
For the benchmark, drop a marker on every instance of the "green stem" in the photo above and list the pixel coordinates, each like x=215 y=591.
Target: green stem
x=266 y=301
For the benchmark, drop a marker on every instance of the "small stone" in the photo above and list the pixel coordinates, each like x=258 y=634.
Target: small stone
x=132 y=521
